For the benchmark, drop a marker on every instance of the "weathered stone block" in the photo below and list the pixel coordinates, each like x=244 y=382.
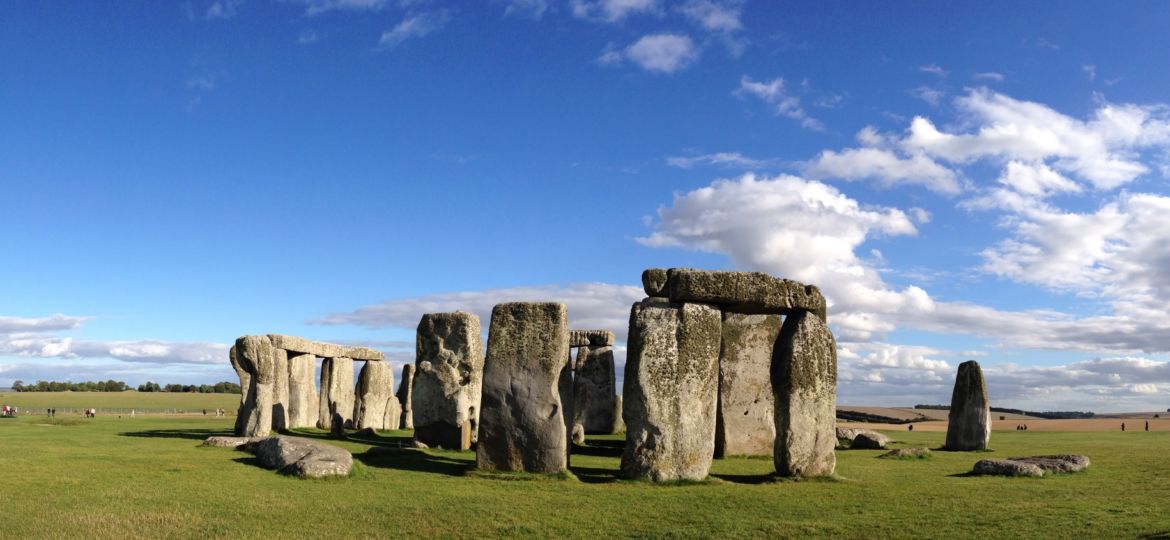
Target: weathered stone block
x=744 y=292
x=324 y=350
x=585 y=338
x=303 y=403
x=245 y=388
x=522 y=425
x=804 y=383
x=404 y=396
x=280 y=397
x=594 y=386
x=671 y=382
x=374 y=387
x=257 y=357
x=393 y=415
x=969 y=420
x=336 y=394
x=619 y=425
x=448 y=375
x=654 y=282
x=745 y=423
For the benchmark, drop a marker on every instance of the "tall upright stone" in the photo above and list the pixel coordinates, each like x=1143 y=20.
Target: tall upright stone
x=619 y=425
x=280 y=394
x=969 y=421
x=671 y=382
x=804 y=383
x=565 y=391
x=594 y=389
x=375 y=385
x=303 y=403
x=393 y=418
x=522 y=425
x=745 y=423
x=404 y=397
x=336 y=394
x=257 y=357
x=448 y=379
x=245 y=387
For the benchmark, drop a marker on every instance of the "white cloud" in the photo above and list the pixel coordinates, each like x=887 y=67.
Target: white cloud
x=783 y=104
x=662 y=53
x=930 y=95
x=611 y=11
x=532 y=9
x=223 y=9
x=415 y=26
x=51 y=323
x=317 y=7
x=714 y=16
x=721 y=159
x=988 y=76
x=885 y=167
x=1090 y=71
x=933 y=70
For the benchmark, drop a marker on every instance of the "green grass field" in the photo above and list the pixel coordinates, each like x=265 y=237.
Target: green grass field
x=147 y=477
x=126 y=400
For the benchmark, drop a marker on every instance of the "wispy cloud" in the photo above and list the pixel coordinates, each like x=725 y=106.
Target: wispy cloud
x=1090 y=71
x=774 y=93
x=415 y=26
x=531 y=9
x=733 y=160
x=933 y=69
x=611 y=11
x=988 y=76
x=656 y=53
x=307 y=37
x=714 y=16
x=223 y=9
x=317 y=7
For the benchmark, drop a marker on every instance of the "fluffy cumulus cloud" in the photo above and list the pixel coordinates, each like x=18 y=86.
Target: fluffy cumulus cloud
x=661 y=53
x=775 y=94
x=885 y=167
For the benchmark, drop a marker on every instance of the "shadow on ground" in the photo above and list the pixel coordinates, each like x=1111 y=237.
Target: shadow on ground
x=413 y=459
x=745 y=478
x=193 y=434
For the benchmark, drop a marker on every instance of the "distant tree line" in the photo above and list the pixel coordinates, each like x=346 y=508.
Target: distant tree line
x=1051 y=415
x=223 y=387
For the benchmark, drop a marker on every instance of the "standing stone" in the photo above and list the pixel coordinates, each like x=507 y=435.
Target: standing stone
x=671 y=379
x=594 y=388
x=404 y=396
x=619 y=425
x=393 y=415
x=374 y=386
x=280 y=395
x=565 y=391
x=245 y=384
x=303 y=403
x=969 y=422
x=448 y=379
x=804 y=382
x=256 y=356
x=336 y=394
x=745 y=424
x=522 y=423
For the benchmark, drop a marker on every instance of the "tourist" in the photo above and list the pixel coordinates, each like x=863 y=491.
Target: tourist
x=1147 y=425
x=910 y=427
x=1123 y=426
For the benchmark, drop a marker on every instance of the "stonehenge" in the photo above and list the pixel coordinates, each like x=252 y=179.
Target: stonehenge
x=804 y=381
x=522 y=425
x=594 y=382
x=744 y=422
x=337 y=394
x=969 y=420
x=371 y=395
x=448 y=380
x=404 y=395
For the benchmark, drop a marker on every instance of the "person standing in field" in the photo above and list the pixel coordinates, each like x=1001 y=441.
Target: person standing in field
x=1123 y=426
x=1147 y=425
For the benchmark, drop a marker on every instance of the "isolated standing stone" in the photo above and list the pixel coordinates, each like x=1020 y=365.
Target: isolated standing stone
x=671 y=382
x=746 y=423
x=374 y=386
x=448 y=379
x=256 y=356
x=522 y=425
x=404 y=396
x=594 y=387
x=245 y=388
x=303 y=403
x=969 y=421
x=804 y=382
x=280 y=395
x=336 y=394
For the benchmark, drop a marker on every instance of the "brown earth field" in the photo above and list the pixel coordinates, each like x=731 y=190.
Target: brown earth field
x=1132 y=425
x=910 y=413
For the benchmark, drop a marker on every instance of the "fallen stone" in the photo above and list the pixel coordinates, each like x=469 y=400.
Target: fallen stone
x=1062 y=463
x=745 y=423
x=585 y=338
x=219 y=441
x=336 y=412
x=744 y=292
x=448 y=377
x=672 y=380
x=594 y=390
x=804 y=383
x=1006 y=467
x=375 y=385
x=324 y=350
x=300 y=457
x=404 y=396
x=906 y=453
x=654 y=282
x=969 y=420
x=256 y=355
x=870 y=440
x=522 y=424
x=304 y=406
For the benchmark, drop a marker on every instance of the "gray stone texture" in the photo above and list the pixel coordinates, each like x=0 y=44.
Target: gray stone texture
x=280 y=395
x=522 y=424
x=448 y=375
x=744 y=292
x=619 y=425
x=969 y=420
x=295 y=344
x=594 y=389
x=671 y=380
x=375 y=385
x=257 y=357
x=654 y=282
x=745 y=422
x=393 y=415
x=1006 y=467
x=245 y=387
x=1060 y=463
x=870 y=440
x=303 y=403
x=585 y=338
x=302 y=458
x=804 y=383
x=220 y=441
x=336 y=394
x=565 y=392
x=404 y=396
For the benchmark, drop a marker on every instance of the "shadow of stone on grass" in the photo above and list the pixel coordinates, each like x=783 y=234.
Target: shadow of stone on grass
x=413 y=459
x=193 y=434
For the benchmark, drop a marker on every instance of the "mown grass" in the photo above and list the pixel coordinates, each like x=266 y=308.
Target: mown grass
x=147 y=477
x=127 y=400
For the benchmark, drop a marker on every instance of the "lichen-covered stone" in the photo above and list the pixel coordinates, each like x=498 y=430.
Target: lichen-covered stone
x=745 y=422
x=448 y=374
x=300 y=457
x=565 y=391
x=804 y=383
x=374 y=387
x=404 y=396
x=870 y=440
x=619 y=425
x=280 y=396
x=744 y=292
x=671 y=380
x=969 y=420
x=1060 y=463
x=654 y=282
x=336 y=395
x=594 y=387
x=257 y=357
x=1006 y=467
x=301 y=345
x=393 y=414
x=303 y=403
x=245 y=388
x=220 y=441
x=522 y=424
x=585 y=338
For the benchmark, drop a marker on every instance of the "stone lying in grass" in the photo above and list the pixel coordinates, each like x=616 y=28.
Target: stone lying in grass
x=302 y=458
x=1031 y=466
x=1061 y=463
x=861 y=439
x=229 y=442
x=907 y=453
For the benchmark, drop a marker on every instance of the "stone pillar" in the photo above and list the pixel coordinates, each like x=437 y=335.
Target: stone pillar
x=594 y=388
x=393 y=415
x=619 y=425
x=256 y=356
x=280 y=397
x=671 y=380
x=448 y=379
x=745 y=423
x=404 y=397
x=969 y=421
x=245 y=387
x=565 y=392
x=303 y=403
x=374 y=387
x=522 y=423
x=336 y=394
x=804 y=383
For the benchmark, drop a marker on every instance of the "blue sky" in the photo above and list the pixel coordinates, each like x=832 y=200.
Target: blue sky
x=980 y=180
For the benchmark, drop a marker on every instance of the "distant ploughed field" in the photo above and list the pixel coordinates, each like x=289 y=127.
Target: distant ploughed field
x=938 y=420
